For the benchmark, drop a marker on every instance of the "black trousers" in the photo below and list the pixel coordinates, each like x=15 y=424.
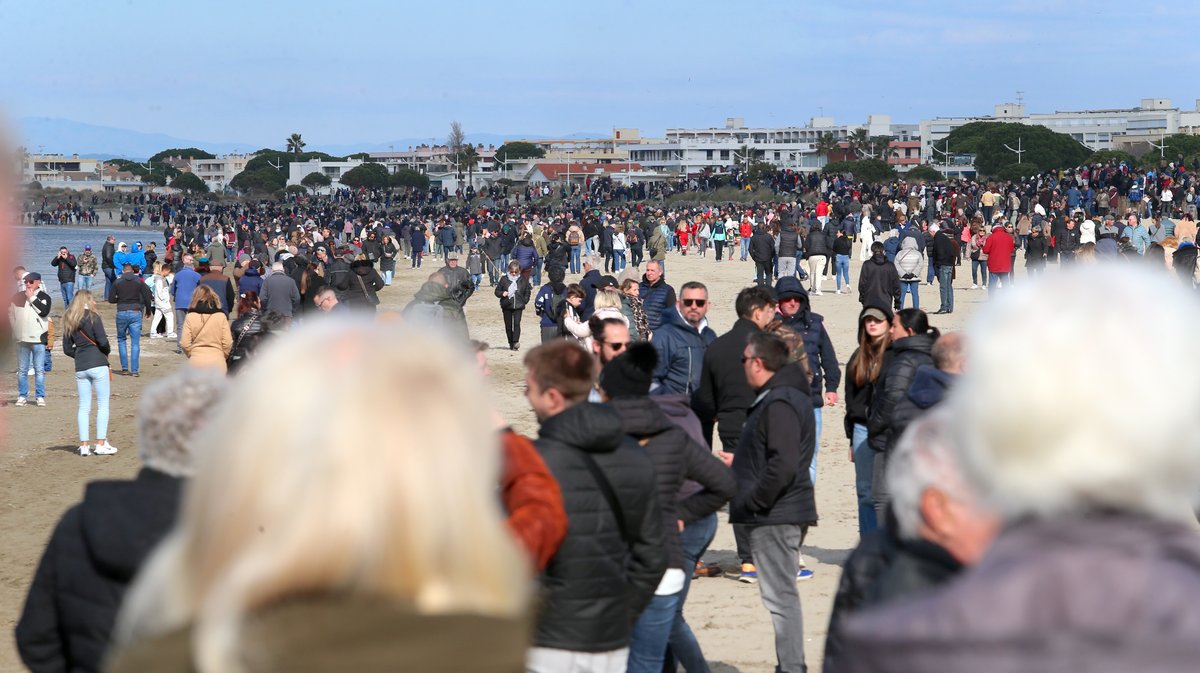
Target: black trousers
x=720 y=246
x=512 y=325
x=763 y=271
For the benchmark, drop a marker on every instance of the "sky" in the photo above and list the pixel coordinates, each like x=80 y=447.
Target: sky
x=346 y=72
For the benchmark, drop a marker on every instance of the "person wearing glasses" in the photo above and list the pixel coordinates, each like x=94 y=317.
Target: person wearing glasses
x=681 y=341
x=29 y=313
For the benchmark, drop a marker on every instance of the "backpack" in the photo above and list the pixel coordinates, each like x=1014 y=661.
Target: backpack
x=573 y=237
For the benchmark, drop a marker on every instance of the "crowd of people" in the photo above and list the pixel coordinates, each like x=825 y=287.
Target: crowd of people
x=650 y=422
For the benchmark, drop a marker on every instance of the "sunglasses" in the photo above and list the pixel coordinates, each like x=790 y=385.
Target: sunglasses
x=695 y=302
x=747 y=358
x=616 y=345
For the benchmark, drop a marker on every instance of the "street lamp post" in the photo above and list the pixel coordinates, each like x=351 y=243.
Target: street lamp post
x=1018 y=150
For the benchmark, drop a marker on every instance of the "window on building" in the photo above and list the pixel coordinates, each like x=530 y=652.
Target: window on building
x=708 y=154
x=777 y=156
x=725 y=154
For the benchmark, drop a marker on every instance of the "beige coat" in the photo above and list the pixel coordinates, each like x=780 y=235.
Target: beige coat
x=206 y=339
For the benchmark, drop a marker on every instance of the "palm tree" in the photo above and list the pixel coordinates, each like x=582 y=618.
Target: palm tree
x=880 y=147
x=295 y=145
x=468 y=158
x=826 y=144
x=858 y=142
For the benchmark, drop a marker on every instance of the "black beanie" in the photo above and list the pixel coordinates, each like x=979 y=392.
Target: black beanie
x=629 y=374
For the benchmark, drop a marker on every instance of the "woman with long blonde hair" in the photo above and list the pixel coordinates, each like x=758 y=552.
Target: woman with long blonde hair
x=340 y=546
x=85 y=341
x=206 y=338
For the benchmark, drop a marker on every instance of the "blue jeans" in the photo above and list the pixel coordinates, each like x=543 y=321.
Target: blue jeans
x=684 y=648
x=745 y=244
x=387 y=277
x=812 y=469
x=864 y=458
x=476 y=279
x=841 y=269
x=129 y=323
x=978 y=267
x=68 y=293
x=86 y=381
x=110 y=277
x=997 y=277
x=575 y=266
x=618 y=261
x=84 y=282
x=31 y=355
x=504 y=263
x=910 y=287
x=648 y=644
x=945 y=276
x=537 y=271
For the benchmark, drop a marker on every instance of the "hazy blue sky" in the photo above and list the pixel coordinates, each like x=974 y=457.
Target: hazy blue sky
x=345 y=72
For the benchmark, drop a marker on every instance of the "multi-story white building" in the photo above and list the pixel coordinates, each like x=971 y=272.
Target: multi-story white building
x=1100 y=129
x=690 y=151
x=48 y=168
x=334 y=170
x=436 y=159
x=217 y=173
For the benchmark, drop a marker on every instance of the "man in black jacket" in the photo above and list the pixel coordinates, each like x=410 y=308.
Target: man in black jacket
x=610 y=563
x=107 y=265
x=65 y=262
x=724 y=395
x=762 y=251
x=133 y=300
x=625 y=385
x=878 y=280
x=99 y=545
x=944 y=257
x=775 y=500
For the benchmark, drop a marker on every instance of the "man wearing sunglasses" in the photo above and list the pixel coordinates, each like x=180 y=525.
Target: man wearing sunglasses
x=681 y=341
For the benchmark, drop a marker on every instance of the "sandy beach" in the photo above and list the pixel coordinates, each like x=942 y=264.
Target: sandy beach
x=42 y=475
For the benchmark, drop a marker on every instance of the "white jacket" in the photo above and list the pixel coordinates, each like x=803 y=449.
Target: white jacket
x=30 y=319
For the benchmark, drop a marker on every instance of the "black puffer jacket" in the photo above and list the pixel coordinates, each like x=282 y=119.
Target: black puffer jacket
x=248 y=334
x=879 y=283
x=363 y=282
x=883 y=567
x=598 y=583
x=789 y=242
x=676 y=457
x=817 y=243
x=774 y=454
x=762 y=246
x=929 y=387
x=908 y=354
x=724 y=395
x=92 y=556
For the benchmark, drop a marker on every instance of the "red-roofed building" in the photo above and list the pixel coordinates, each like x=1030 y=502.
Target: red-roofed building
x=558 y=172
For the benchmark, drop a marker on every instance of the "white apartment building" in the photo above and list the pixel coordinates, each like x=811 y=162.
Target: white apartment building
x=298 y=170
x=216 y=173
x=433 y=159
x=1100 y=129
x=48 y=168
x=690 y=151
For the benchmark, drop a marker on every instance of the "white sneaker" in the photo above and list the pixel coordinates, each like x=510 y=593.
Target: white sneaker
x=41 y=401
x=85 y=450
x=156 y=335
x=31 y=372
x=172 y=335
x=974 y=286
x=106 y=449
x=21 y=401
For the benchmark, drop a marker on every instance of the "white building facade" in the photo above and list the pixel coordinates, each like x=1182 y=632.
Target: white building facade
x=692 y=151
x=334 y=170
x=217 y=173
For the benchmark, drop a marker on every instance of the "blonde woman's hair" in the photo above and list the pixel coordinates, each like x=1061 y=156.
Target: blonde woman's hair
x=156 y=268
x=77 y=312
x=361 y=506
x=204 y=295
x=607 y=298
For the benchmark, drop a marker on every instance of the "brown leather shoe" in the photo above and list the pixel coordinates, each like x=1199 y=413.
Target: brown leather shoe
x=703 y=570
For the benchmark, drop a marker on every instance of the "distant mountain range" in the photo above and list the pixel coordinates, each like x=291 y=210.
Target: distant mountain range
x=53 y=135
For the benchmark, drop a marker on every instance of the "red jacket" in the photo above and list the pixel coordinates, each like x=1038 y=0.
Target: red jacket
x=532 y=499
x=999 y=249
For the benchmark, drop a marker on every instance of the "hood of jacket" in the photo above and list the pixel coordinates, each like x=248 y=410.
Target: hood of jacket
x=123 y=521
x=206 y=309
x=640 y=417
x=791 y=375
x=908 y=243
x=252 y=272
x=432 y=292
x=595 y=428
x=362 y=267
x=790 y=286
x=929 y=386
